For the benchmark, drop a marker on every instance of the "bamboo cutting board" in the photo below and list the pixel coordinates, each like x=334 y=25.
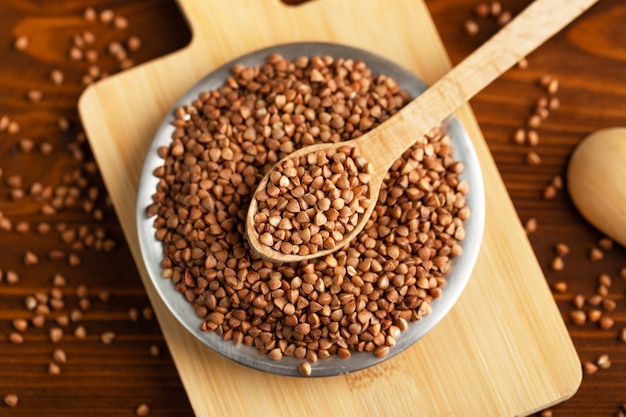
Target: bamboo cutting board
x=503 y=350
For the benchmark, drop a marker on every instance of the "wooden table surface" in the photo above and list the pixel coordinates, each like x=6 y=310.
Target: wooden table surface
x=100 y=296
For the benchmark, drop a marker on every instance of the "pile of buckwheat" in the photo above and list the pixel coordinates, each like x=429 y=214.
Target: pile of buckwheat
x=359 y=298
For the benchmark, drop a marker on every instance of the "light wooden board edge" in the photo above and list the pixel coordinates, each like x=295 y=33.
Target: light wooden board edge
x=517 y=353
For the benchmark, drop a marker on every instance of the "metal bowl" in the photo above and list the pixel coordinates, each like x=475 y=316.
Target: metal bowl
x=457 y=277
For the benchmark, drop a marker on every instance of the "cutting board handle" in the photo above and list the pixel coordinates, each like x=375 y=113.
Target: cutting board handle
x=255 y=17
x=189 y=9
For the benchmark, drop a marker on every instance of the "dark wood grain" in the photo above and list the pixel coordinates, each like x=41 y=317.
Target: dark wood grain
x=588 y=59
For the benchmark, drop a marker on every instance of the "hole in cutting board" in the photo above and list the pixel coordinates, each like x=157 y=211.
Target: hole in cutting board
x=165 y=18
x=294 y=2
x=163 y=27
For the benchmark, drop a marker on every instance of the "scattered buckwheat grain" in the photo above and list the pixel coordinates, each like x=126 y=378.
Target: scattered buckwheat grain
x=30 y=259
x=26 y=145
x=133 y=314
x=471 y=27
x=557 y=264
x=21 y=43
x=20 y=325
x=133 y=43
x=147 y=313
x=609 y=305
x=16 y=338
x=495 y=8
x=11 y=400
x=595 y=254
x=120 y=23
x=553 y=86
x=22 y=227
x=519 y=136
x=12 y=277
x=603 y=361
x=523 y=63
x=305 y=369
x=481 y=10
x=531 y=225
x=590 y=368
x=594 y=300
x=578 y=301
x=578 y=317
x=142 y=410
x=56 y=334
x=549 y=192
x=13 y=128
x=605 y=279
x=38 y=321
x=594 y=315
x=56 y=77
x=74 y=260
x=54 y=369
x=606 y=323
x=561 y=249
x=35 y=96
x=90 y=14
x=533 y=158
x=504 y=18
x=534 y=121
x=106 y=16
x=107 y=337
x=80 y=332
x=532 y=137
x=154 y=350
x=605 y=244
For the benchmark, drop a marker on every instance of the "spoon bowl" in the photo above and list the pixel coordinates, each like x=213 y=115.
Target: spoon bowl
x=268 y=252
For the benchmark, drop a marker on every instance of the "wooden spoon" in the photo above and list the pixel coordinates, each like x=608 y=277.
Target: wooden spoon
x=596 y=181
x=385 y=144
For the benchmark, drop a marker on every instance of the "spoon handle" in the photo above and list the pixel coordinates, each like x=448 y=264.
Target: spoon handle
x=533 y=26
